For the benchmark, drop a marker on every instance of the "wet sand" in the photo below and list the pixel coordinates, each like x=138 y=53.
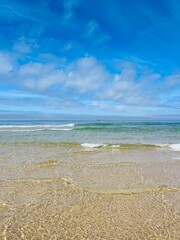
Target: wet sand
x=50 y=191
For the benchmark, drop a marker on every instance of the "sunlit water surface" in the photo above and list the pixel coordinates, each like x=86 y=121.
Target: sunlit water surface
x=64 y=180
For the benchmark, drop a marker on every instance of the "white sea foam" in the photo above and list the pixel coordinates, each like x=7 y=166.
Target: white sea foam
x=67 y=125
x=162 y=145
x=60 y=129
x=19 y=126
x=21 y=130
x=175 y=147
x=115 y=146
x=33 y=128
x=92 y=145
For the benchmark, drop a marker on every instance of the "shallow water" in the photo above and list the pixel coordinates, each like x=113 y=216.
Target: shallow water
x=91 y=132
x=67 y=191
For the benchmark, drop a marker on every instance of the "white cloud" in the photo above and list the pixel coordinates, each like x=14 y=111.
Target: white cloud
x=122 y=84
x=94 y=33
x=173 y=80
x=131 y=87
x=92 y=28
x=86 y=80
x=38 y=76
x=69 y=9
x=86 y=74
x=22 y=47
x=5 y=63
x=16 y=94
x=68 y=46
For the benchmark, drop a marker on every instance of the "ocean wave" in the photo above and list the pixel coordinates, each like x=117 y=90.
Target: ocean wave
x=39 y=125
x=66 y=125
x=107 y=146
x=93 y=145
x=60 y=129
x=22 y=126
x=175 y=147
x=22 y=130
x=115 y=146
x=34 y=128
x=162 y=145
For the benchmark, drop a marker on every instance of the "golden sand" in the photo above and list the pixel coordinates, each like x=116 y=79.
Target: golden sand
x=101 y=195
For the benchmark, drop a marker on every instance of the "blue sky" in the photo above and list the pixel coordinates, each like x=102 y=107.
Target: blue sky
x=103 y=57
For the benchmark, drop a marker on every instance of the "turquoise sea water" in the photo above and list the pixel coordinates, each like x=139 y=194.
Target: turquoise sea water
x=92 y=133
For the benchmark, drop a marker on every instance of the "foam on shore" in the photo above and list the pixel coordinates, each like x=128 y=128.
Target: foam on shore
x=93 y=145
x=175 y=147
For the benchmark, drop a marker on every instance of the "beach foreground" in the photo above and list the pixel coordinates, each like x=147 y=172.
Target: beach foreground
x=66 y=191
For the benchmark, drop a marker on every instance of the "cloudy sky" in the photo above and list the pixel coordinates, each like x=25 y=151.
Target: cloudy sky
x=95 y=57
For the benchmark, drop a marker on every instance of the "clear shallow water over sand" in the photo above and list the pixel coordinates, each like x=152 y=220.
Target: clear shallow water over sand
x=85 y=189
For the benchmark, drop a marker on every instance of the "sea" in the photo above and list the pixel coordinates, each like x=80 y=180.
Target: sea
x=89 y=179
x=93 y=134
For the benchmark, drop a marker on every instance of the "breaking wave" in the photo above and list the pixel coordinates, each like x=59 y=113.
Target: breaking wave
x=34 y=128
x=93 y=145
x=175 y=147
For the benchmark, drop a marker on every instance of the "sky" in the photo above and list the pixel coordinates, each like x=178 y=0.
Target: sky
x=89 y=57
